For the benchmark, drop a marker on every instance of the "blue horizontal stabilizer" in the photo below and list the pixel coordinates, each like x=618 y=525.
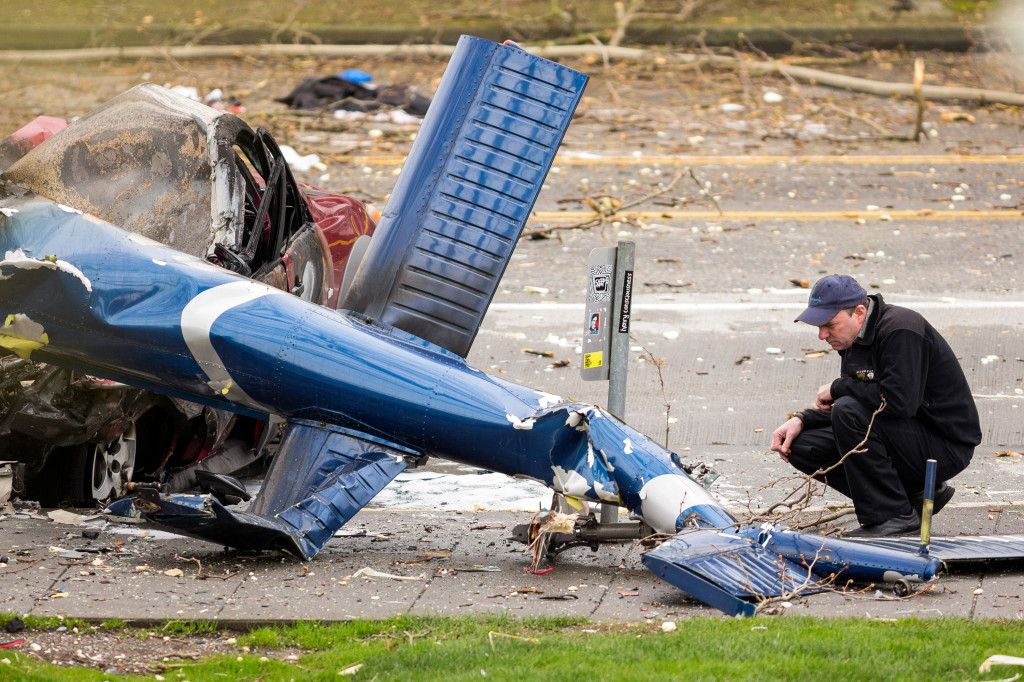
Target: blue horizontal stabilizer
x=723 y=569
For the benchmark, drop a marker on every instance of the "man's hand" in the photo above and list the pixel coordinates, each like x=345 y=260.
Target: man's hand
x=824 y=400
x=783 y=437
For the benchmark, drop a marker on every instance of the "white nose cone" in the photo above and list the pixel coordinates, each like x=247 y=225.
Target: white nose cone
x=665 y=497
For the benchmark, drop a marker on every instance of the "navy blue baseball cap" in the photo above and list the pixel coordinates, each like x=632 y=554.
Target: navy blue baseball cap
x=830 y=295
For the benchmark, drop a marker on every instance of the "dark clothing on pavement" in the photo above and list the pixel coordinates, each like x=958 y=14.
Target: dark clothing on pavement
x=929 y=414
x=338 y=93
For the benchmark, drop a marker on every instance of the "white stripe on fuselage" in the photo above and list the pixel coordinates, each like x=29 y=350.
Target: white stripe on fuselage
x=197 y=319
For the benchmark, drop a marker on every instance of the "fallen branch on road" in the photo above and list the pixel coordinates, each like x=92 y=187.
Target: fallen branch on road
x=882 y=88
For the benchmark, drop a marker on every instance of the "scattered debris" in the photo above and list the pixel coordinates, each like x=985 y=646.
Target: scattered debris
x=331 y=93
x=368 y=572
x=999 y=659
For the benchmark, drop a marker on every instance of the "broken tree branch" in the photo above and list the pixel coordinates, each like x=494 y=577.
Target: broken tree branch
x=805 y=491
x=802 y=73
x=607 y=214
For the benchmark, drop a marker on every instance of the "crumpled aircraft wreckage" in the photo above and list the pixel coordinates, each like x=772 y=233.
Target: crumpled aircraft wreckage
x=165 y=168
x=370 y=377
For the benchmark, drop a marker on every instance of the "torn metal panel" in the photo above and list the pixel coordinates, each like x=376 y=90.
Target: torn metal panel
x=148 y=162
x=963 y=549
x=730 y=569
x=321 y=477
x=176 y=171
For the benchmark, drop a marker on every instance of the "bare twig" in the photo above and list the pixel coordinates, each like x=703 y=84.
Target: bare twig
x=799 y=499
x=199 y=573
x=658 y=364
x=919 y=96
x=491 y=635
x=623 y=17
x=605 y=210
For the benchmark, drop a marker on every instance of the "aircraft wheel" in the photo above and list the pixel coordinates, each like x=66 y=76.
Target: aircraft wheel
x=902 y=588
x=97 y=471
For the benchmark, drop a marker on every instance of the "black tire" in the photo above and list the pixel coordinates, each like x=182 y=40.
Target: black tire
x=88 y=474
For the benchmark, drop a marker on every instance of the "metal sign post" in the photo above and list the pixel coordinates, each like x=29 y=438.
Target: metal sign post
x=622 y=307
x=606 y=330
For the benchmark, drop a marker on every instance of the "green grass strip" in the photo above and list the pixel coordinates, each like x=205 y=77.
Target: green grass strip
x=501 y=648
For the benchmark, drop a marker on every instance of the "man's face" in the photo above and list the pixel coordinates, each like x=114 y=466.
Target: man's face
x=843 y=328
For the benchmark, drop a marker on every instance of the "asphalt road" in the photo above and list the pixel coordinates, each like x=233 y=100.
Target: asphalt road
x=714 y=301
x=733 y=186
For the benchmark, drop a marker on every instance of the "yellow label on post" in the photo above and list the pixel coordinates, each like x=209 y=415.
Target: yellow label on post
x=595 y=359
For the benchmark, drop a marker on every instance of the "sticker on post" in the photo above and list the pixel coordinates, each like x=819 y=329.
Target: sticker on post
x=595 y=359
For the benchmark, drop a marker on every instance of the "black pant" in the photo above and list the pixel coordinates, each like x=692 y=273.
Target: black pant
x=880 y=480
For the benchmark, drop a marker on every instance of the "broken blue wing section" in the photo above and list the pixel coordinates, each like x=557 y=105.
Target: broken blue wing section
x=466 y=190
x=728 y=568
x=321 y=477
x=962 y=549
x=722 y=569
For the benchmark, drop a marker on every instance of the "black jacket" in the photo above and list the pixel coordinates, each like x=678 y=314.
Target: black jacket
x=899 y=355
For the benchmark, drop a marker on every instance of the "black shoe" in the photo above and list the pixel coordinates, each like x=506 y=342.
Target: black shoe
x=900 y=525
x=943 y=494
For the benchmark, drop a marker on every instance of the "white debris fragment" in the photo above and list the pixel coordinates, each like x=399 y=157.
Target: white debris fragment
x=21 y=335
x=999 y=659
x=559 y=341
x=520 y=424
x=546 y=400
x=670 y=334
x=574 y=420
x=979 y=591
x=299 y=162
x=571 y=483
x=730 y=108
x=543 y=291
x=771 y=350
x=8 y=211
x=772 y=97
x=988 y=359
x=627 y=446
x=185 y=91
x=668 y=626
x=1002 y=197
x=372 y=573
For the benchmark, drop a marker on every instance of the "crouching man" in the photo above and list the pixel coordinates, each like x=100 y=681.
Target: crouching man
x=889 y=353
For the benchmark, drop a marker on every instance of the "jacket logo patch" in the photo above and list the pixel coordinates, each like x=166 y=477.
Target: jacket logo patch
x=866 y=375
